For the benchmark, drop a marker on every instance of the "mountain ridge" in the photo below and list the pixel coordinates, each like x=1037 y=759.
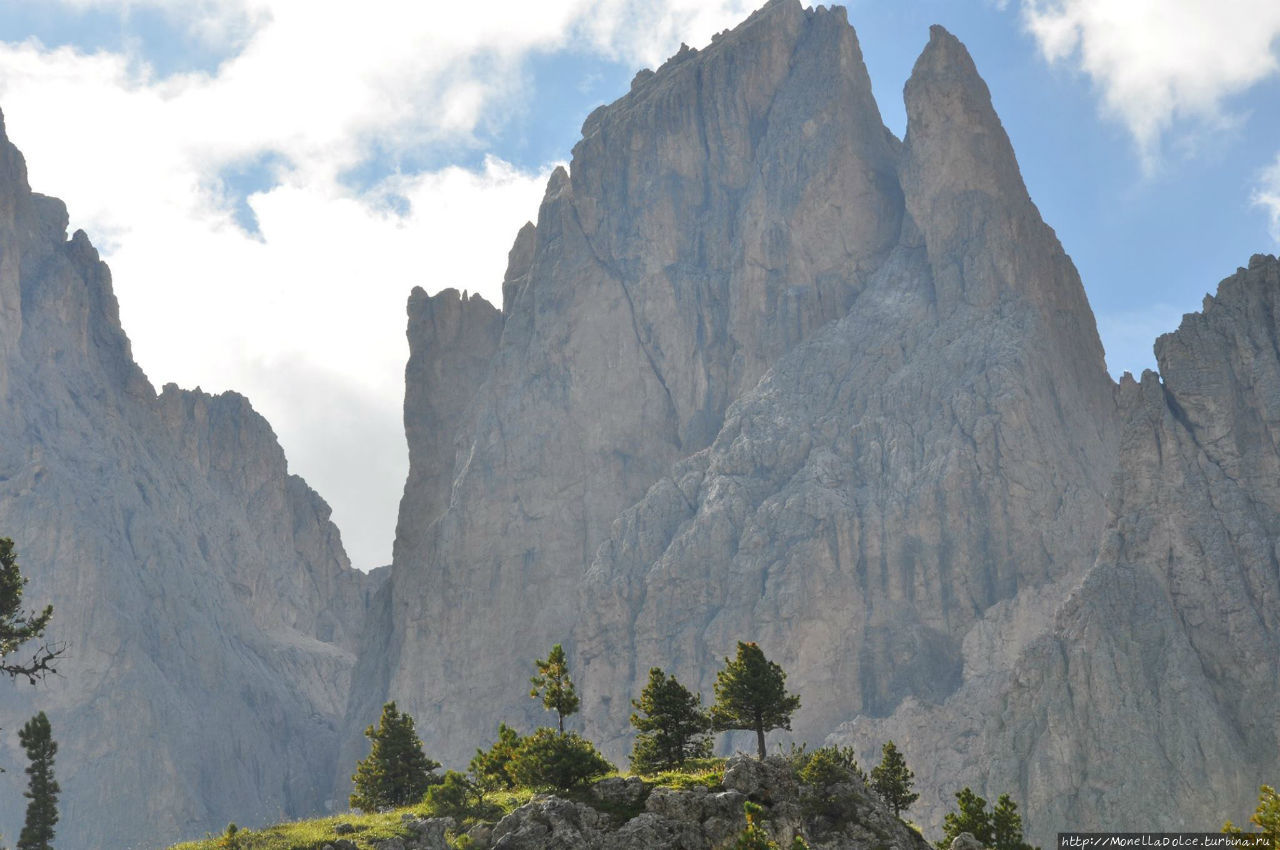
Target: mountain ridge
x=207 y=606
x=761 y=371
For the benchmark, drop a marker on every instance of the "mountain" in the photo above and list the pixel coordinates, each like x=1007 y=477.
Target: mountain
x=1148 y=697
x=766 y=372
x=762 y=371
x=209 y=613
x=701 y=230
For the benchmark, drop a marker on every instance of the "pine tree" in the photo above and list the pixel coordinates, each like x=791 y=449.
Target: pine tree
x=751 y=694
x=396 y=771
x=1006 y=826
x=42 y=790
x=18 y=626
x=1266 y=817
x=891 y=779
x=490 y=768
x=554 y=687
x=1000 y=829
x=673 y=726
x=971 y=816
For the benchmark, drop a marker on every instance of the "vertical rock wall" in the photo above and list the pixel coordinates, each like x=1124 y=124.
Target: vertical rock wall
x=209 y=614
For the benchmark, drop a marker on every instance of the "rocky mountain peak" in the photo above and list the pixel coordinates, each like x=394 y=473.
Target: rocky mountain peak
x=452 y=340
x=210 y=612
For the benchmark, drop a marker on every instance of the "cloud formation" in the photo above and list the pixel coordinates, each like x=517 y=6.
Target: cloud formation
x=243 y=251
x=1161 y=62
x=1267 y=196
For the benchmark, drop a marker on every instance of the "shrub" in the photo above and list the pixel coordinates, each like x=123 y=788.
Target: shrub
x=547 y=759
x=456 y=797
x=827 y=766
x=755 y=838
x=490 y=768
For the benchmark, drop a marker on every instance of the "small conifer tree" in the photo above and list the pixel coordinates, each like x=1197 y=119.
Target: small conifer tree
x=673 y=727
x=1006 y=826
x=751 y=694
x=892 y=780
x=42 y=790
x=548 y=759
x=1000 y=829
x=554 y=687
x=1266 y=817
x=970 y=816
x=18 y=626
x=490 y=768
x=396 y=771
x=456 y=797
x=755 y=838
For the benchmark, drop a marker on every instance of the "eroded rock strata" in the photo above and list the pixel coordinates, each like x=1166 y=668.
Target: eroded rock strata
x=766 y=372
x=209 y=613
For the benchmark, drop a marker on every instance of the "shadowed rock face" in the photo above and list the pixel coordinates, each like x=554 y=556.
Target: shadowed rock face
x=209 y=612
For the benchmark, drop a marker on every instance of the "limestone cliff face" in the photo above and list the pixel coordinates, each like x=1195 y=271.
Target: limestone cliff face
x=891 y=480
x=733 y=203
x=452 y=340
x=767 y=373
x=1169 y=652
x=209 y=612
x=1163 y=662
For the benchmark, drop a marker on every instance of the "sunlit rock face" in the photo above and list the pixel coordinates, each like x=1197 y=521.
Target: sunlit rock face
x=209 y=614
x=1163 y=662
x=729 y=207
x=766 y=372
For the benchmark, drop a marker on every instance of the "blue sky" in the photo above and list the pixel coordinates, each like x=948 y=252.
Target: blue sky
x=269 y=178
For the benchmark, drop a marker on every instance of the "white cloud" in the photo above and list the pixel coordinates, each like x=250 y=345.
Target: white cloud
x=316 y=298
x=1159 y=62
x=1267 y=196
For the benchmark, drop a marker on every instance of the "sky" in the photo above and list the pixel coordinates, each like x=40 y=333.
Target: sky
x=268 y=179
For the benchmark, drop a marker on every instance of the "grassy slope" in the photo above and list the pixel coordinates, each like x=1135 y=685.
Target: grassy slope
x=315 y=834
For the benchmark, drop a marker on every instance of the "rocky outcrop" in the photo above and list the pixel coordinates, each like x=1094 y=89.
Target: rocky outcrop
x=209 y=612
x=727 y=208
x=845 y=816
x=452 y=340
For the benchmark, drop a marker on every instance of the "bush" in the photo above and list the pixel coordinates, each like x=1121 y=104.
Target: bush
x=827 y=766
x=456 y=797
x=547 y=759
x=755 y=838
x=490 y=769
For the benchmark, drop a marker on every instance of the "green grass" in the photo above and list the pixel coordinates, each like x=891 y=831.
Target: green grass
x=311 y=834
x=706 y=772
x=509 y=801
x=314 y=834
